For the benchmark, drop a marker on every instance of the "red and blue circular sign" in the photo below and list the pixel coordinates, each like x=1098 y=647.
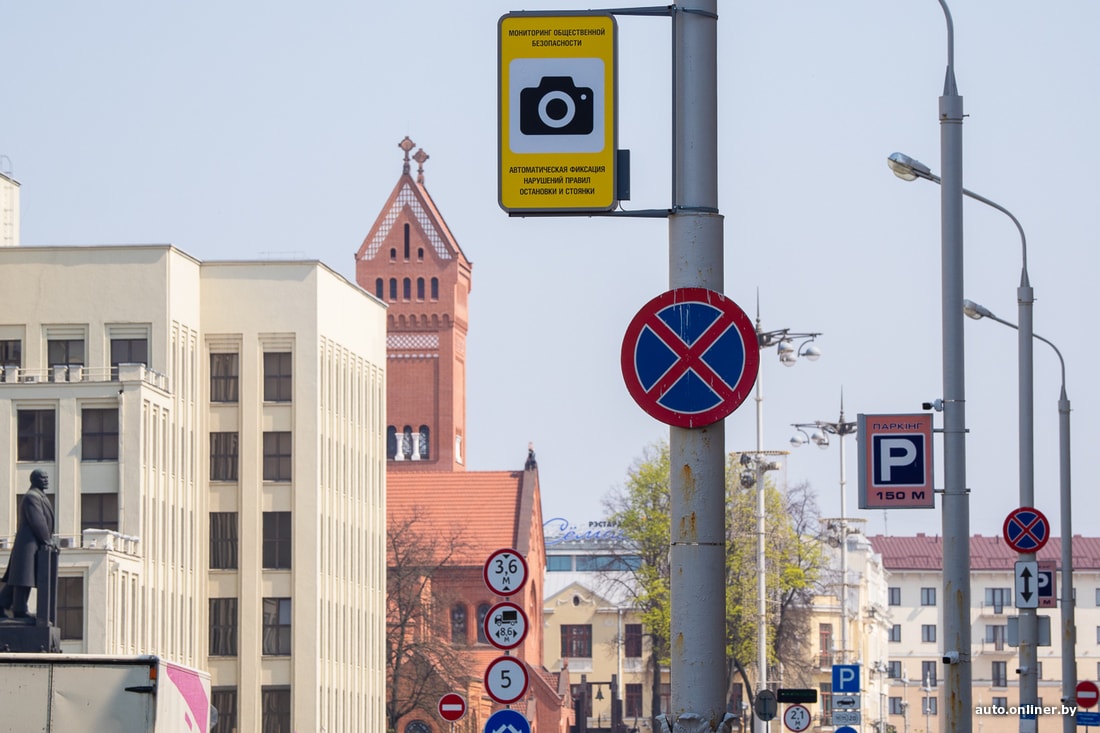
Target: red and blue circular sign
x=1026 y=529
x=690 y=357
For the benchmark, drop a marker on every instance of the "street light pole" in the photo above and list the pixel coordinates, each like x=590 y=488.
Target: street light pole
x=1069 y=628
x=910 y=169
x=820 y=438
x=783 y=339
x=958 y=706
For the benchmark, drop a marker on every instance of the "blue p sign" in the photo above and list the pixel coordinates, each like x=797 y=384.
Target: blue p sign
x=846 y=678
x=899 y=460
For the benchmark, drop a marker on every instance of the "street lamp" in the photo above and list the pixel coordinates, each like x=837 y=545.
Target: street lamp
x=1069 y=628
x=820 y=437
x=784 y=340
x=909 y=169
x=956 y=501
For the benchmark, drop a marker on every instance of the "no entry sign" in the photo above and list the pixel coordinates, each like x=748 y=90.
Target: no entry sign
x=452 y=706
x=690 y=357
x=1087 y=693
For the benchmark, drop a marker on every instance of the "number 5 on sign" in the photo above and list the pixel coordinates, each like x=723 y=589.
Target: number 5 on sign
x=505 y=572
x=506 y=680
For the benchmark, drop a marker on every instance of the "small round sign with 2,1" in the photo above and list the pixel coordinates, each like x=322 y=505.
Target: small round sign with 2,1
x=797 y=718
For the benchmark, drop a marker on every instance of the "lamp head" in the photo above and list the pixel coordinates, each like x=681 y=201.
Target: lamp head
x=906 y=168
x=820 y=439
x=811 y=352
x=798 y=441
x=975 y=310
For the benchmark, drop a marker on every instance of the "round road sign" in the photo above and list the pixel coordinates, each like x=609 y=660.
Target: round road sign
x=452 y=706
x=507 y=720
x=1026 y=529
x=846 y=729
x=690 y=357
x=765 y=705
x=1087 y=693
x=505 y=572
x=506 y=680
x=796 y=717
x=505 y=625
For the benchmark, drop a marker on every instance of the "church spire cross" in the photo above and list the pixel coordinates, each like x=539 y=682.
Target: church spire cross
x=420 y=157
x=406 y=145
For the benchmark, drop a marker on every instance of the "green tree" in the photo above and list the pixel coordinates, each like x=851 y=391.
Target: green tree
x=793 y=557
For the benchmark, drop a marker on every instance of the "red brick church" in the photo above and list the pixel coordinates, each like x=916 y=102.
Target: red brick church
x=410 y=260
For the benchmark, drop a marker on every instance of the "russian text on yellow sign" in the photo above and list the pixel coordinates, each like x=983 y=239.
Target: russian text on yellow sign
x=568 y=179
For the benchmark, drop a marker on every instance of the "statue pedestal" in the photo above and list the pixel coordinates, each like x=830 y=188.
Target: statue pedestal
x=17 y=635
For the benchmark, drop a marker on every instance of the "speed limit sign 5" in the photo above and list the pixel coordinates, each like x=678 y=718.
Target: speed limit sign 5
x=506 y=680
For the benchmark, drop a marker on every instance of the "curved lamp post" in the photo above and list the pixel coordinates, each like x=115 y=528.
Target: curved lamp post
x=958 y=697
x=910 y=169
x=1069 y=629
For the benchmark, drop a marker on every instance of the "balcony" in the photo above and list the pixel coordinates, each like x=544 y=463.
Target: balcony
x=78 y=373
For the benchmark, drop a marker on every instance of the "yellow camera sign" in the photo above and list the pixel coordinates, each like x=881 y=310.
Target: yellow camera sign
x=557 y=112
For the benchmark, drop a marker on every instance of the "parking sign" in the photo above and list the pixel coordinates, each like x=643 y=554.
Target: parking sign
x=895 y=462
x=845 y=678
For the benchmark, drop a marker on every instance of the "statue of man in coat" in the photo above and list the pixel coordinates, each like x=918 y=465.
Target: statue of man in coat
x=35 y=529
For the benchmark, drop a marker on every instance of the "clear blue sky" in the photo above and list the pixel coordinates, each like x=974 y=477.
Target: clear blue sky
x=248 y=130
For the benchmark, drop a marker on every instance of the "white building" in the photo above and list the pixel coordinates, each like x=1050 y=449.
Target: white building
x=915 y=668
x=9 y=209
x=214 y=436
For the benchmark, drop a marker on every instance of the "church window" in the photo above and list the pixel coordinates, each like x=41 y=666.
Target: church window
x=406 y=289
x=420 y=288
x=435 y=288
x=391 y=442
x=393 y=288
x=393 y=254
x=406 y=242
x=407 y=442
x=424 y=438
x=458 y=624
x=420 y=254
x=379 y=288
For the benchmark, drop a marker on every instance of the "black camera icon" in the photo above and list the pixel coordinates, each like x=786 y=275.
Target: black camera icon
x=557 y=106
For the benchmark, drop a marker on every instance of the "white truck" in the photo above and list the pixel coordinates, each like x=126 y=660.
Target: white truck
x=60 y=693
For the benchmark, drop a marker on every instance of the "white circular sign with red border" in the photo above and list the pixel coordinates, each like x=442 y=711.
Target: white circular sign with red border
x=797 y=717
x=505 y=572
x=452 y=706
x=506 y=680
x=505 y=625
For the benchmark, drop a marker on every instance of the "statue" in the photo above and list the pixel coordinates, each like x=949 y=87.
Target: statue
x=34 y=530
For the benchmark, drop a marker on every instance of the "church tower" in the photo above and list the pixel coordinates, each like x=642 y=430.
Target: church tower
x=410 y=260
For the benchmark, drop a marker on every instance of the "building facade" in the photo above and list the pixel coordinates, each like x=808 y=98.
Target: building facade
x=594 y=629
x=214 y=434
x=915 y=606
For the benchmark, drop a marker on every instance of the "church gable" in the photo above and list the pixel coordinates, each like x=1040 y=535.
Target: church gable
x=410 y=198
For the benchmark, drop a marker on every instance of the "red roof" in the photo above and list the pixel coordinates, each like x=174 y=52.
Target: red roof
x=986 y=553
x=481 y=505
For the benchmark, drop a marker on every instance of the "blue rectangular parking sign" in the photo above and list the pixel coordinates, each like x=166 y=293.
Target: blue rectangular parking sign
x=845 y=678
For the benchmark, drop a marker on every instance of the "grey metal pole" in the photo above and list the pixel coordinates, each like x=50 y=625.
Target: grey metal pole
x=958 y=706
x=1069 y=628
x=697 y=552
x=761 y=556
x=1029 y=619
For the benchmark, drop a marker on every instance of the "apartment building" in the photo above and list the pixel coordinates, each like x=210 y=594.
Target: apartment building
x=594 y=629
x=214 y=434
x=915 y=605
